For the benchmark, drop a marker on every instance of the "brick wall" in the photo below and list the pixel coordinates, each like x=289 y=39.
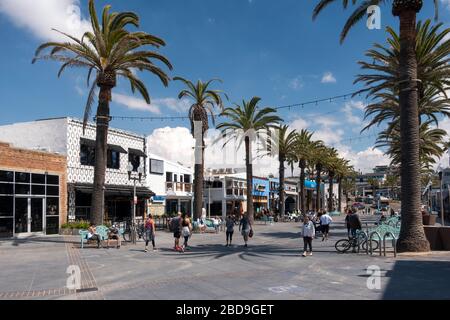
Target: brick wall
x=32 y=161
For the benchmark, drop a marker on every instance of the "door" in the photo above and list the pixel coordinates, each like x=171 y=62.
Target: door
x=21 y=215
x=36 y=215
x=29 y=215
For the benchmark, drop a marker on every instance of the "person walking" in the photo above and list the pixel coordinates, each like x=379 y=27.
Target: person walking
x=175 y=225
x=186 y=230
x=229 y=223
x=347 y=223
x=308 y=232
x=325 y=221
x=355 y=225
x=245 y=228
x=150 y=231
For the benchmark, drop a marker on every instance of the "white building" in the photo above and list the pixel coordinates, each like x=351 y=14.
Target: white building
x=225 y=192
x=65 y=136
x=172 y=184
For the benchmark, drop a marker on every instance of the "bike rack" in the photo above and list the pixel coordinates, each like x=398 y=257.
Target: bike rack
x=370 y=242
x=394 y=243
x=361 y=233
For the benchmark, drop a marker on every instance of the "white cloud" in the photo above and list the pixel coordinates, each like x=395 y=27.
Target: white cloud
x=163 y=140
x=296 y=83
x=328 y=77
x=446 y=3
x=367 y=159
x=299 y=124
x=325 y=121
x=135 y=103
x=348 y=112
x=39 y=17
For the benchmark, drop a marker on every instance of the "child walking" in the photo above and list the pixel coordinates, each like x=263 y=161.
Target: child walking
x=308 y=233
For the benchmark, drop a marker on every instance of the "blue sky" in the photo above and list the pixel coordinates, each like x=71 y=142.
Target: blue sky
x=271 y=49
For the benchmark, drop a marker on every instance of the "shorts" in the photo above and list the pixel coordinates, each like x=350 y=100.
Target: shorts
x=177 y=234
x=326 y=228
x=114 y=237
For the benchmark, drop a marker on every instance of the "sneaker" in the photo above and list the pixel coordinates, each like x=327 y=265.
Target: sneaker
x=310 y=253
x=154 y=249
x=304 y=254
x=245 y=245
x=145 y=250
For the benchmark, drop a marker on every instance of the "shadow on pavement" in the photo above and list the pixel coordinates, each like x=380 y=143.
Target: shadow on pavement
x=418 y=280
x=36 y=239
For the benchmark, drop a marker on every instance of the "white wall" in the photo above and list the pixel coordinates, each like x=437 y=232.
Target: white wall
x=157 y=182
x=49 y=135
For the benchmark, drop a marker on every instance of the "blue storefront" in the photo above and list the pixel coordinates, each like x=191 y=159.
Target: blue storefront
x=261 y=189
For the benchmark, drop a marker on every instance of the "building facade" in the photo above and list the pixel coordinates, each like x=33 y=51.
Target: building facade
x=172 y=184
x=33 y=197
x=65 y=136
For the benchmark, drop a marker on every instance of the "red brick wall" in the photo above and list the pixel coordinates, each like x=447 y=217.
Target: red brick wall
x=15 y=159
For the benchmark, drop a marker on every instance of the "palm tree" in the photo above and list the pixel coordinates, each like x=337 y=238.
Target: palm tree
x=284 y=144
x=432 y=51
x=332 y=163
x=303 y=149
x=342 y=170
x=247 y=123
x=412 y=235
x=431 y=148
x=204 y=100
x=318 y=161
x=111 y=51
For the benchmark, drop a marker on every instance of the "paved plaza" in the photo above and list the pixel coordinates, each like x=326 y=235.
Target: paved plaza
x=270 y=268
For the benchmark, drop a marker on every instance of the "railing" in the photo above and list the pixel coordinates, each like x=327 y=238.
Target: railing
x=370 y=242
x=179 y=186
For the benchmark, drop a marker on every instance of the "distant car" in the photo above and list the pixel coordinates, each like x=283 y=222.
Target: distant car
x=359 y=206
x=292 y=217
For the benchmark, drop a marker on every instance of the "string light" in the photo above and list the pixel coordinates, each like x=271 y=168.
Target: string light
x=302 y=105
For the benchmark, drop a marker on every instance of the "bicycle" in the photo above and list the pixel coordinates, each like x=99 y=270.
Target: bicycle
x=140 y=232
x=361 y=240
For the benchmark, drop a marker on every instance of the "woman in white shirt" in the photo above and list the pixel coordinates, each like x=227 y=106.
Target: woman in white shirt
x=308 y=233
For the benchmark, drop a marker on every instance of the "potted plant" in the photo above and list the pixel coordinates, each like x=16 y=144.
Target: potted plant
x=73 y=228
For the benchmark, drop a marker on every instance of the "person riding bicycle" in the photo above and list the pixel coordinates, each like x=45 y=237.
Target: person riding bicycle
x=355 y=224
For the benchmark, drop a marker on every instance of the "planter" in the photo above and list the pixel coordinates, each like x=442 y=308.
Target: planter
x=429 y=220
x=444 y=233
x=433 y=237
x=69 y=232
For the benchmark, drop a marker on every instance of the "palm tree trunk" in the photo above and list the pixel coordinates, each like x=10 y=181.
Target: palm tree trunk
x=302 y=186
x=101 y=148
x=412 y=236
x=330 y=192
x=340 y=195
x=281 y=203
x=198 y=184
x=249 y=167
x=318 y=181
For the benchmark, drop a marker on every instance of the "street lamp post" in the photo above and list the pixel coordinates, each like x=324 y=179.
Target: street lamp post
x=134 y=179
x=441 y=197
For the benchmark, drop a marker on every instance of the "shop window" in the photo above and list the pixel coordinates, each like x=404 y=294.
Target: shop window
x=53 y=180
x=6 y=176
x=168 y=176
x=52 y=225
x=6 y=206
x=6 y=188
x=52 y=206
x=6 y=227
x=87 y=155
x=38 y=178
x=37 y=190
x=22 y=189
x=52 y=191
x=113 y=161
x=22 y=177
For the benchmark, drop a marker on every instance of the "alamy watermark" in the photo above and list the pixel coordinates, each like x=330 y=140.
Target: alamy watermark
x=374 y=17
x=374 y=279
x=73 y=281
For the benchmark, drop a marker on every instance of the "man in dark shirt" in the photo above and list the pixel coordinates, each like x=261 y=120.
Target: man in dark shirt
x=355 y=224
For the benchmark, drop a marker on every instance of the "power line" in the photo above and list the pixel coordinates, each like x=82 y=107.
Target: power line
x=295 y=105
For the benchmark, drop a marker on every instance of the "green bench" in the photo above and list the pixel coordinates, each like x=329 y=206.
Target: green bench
x=102 y=232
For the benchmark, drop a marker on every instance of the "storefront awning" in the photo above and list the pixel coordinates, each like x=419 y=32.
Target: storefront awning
x=137 y=152
x=116 y=148
x=111 y=190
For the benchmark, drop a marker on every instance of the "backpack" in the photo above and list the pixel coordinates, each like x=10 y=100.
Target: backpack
x=175 y=224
